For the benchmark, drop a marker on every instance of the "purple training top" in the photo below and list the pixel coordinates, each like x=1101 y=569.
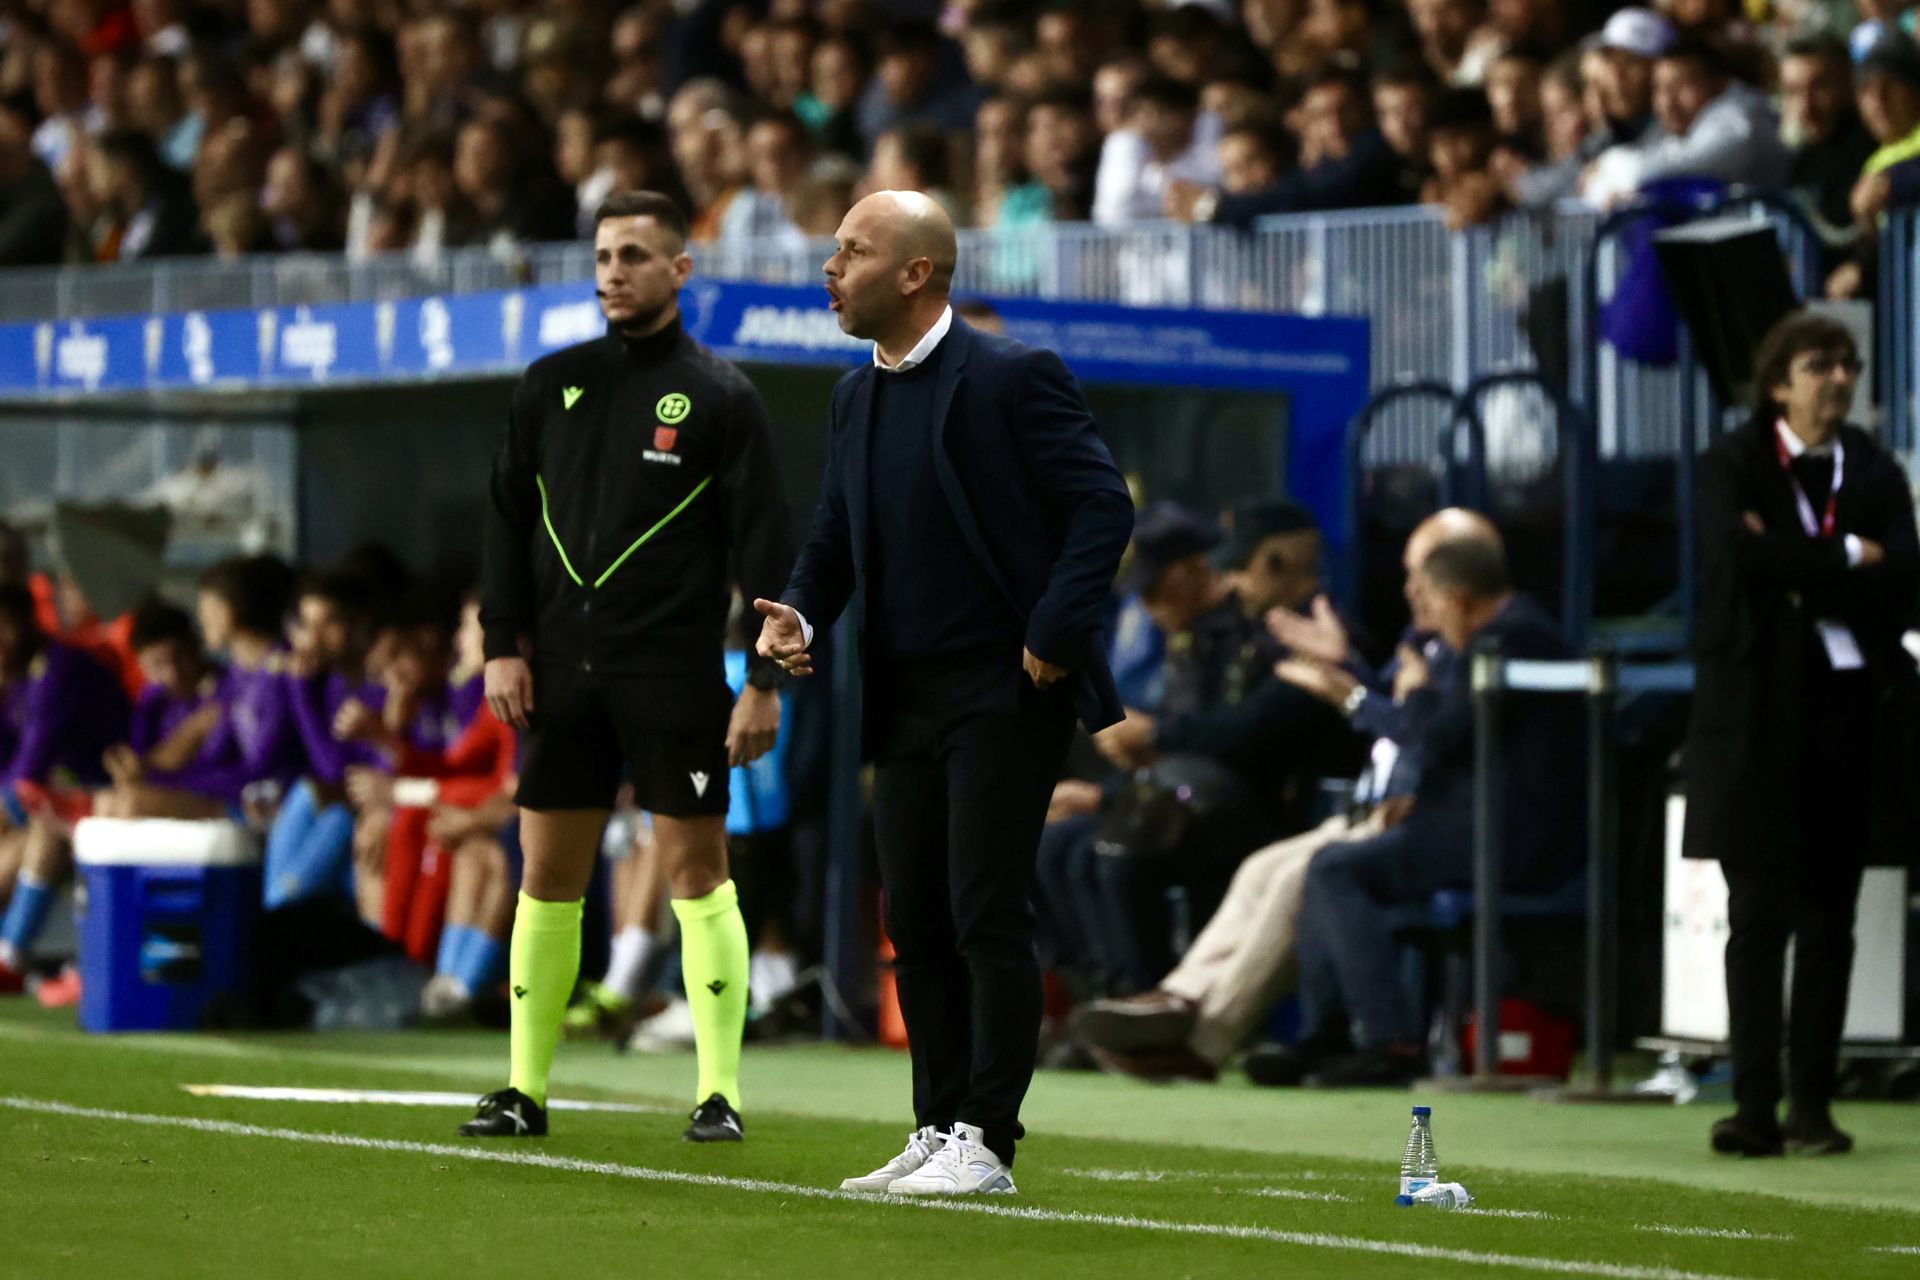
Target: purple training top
x=255 y=741
x=159 y=711
x=64 y=714
x=315 y=703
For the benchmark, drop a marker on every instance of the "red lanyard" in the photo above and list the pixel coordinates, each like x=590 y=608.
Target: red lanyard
x=1823 y=528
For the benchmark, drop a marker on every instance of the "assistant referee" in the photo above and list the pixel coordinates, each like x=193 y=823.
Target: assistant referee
x=636 y=489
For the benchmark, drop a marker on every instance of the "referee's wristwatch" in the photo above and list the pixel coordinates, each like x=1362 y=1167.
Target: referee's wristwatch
x=1353 y=701
x=765 y=676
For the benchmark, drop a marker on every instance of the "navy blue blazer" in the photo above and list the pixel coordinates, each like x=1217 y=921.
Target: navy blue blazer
x=1035 y=493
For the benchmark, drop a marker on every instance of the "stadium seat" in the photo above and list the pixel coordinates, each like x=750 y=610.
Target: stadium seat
x=1443 y=923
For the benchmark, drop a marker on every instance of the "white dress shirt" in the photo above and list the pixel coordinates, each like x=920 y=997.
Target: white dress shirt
x=921 y=349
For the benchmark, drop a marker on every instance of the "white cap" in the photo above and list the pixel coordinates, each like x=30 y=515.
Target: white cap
x=1638 y=31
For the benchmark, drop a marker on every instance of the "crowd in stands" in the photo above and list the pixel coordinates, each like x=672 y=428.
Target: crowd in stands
x=139 y=128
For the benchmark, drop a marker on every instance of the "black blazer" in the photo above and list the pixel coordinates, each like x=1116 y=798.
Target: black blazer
x=1035 y=493
x=1752 y=632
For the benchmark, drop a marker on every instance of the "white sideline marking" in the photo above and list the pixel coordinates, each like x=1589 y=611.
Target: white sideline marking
x=1305 y=1239
x=1894 y=1248
x=1289 y=1193
x=398 y=1098
x=1710 y=1233
x=1538 y=1214
x=1227 y=1175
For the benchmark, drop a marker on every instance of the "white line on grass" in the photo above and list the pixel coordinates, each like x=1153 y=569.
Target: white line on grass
x=1303 y=1239
x=399 y=1098
x=1710 y=1233
x=1215 y=1175
x=1290 y=1193
x=1537 y=1214
x=1894 y=1248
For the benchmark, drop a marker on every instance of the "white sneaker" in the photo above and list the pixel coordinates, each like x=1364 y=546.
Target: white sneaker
x=962 y=1166
x=921 y=1144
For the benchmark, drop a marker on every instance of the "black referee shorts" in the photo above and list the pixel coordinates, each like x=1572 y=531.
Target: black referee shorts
x=668 y=732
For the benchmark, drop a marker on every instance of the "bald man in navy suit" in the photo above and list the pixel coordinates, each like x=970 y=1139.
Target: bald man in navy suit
x=968 y=497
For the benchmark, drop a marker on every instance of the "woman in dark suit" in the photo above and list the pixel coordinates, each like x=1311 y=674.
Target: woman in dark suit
x=1796 y=757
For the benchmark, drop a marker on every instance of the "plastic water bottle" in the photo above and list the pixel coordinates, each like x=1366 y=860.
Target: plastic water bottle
x=1418 y=1166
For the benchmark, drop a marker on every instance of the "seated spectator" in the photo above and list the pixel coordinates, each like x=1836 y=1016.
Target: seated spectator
x=1061 y=153
x=778 y=153
x=173 y=719
x=1710 y=126
x=1236 y=100
x=1344 y=162
x=1569 y=118
x=1350 y=983
x=360 y=102
x=1620 y=77
x=1229 y=742
x=60 y=96
x=1403 y=100
x=918 y=78
x=1243 y=961
x=155 y=108
x=1166 y=140
x=234 y=227
x=1820 y=123
x=1252 y=158
x=33 y=218
x=999 y=130
x=59 y=711
x=302 y=204
x=513 y=195
x=1887 y=91
x=1513 y=96
x=1453 y=41
x=837 y=76
x=913 y=157
x=1460 y=143
x=149 y=210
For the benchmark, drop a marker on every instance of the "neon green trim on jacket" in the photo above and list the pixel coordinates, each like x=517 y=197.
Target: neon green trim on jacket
x=638 y=542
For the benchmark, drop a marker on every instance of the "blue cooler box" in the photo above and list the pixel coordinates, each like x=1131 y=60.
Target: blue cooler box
x=166 y=919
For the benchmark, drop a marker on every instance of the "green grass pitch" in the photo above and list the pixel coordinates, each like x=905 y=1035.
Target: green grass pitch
x=109 y=1168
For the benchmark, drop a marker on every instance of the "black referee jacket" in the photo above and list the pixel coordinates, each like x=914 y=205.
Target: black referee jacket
x=635 y=488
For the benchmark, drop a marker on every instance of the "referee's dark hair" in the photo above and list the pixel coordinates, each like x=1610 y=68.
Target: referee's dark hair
x=644 y=204
x=1469 y=565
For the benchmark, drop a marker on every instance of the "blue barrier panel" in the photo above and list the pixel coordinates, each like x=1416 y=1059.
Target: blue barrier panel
x=1320 y=364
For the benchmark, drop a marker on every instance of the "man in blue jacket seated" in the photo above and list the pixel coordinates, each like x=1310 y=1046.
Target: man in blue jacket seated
x=1349 y=969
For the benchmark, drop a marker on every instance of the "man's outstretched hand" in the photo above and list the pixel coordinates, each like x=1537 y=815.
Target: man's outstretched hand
x=782 y=638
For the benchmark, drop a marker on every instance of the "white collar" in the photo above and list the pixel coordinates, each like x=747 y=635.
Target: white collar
x=921 y=349
x=1795 y=446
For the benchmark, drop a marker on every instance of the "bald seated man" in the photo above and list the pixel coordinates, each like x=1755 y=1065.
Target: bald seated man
x=968 y=494
x=1244 y=960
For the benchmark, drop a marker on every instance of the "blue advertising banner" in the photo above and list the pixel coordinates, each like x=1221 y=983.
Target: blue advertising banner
x=1320 y=363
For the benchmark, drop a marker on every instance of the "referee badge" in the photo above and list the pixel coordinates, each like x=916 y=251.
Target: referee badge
x=664 y=438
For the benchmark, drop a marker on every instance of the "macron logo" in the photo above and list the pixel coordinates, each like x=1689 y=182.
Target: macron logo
x=570 y=395
x=699 y=783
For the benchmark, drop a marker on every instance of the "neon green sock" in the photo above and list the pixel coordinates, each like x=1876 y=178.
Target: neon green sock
x=713 y=957
x=543 y=961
